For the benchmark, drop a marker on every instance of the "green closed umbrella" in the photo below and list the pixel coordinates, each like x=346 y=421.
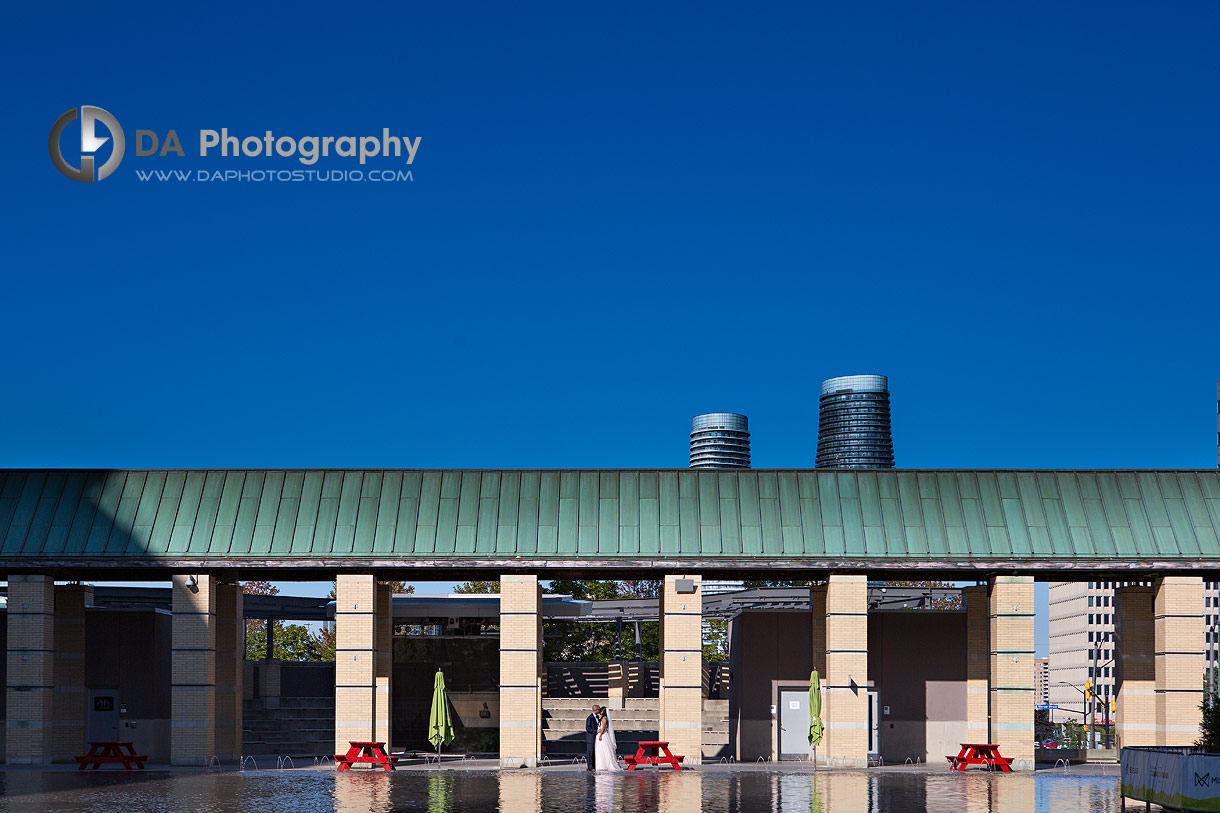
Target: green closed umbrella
x=440 y=727
x=815 y=709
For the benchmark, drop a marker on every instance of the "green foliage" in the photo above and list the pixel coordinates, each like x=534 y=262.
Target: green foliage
x=478 y=587
x=1044 y=729
x=586 y=590
x=716 y=640
x=293 y=642
x=1073 y=735
x=577 y=642
x=1209 y=727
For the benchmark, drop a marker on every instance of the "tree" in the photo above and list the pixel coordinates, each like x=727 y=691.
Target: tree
x=256 y=628
x=643 y=588
x=1209 y=727
x=716 y=640
x=478 y=587
x=325 y=642
x=1073 y=734
x=1044 y=729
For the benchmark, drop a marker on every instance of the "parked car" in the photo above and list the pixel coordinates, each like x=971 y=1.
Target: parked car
x=1050 y=744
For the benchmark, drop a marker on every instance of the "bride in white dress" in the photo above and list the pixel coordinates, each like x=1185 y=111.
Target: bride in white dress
x=605 y=751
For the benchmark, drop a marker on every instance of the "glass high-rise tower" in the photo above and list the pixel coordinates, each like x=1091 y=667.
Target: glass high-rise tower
x=854 y=423
x=720 y=440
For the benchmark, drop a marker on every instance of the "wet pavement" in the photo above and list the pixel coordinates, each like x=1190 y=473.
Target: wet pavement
x=464 y=787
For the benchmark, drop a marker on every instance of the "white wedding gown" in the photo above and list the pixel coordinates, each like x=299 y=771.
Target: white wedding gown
x=605 y=749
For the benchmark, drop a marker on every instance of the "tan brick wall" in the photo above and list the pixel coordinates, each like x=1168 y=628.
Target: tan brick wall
x=70 y=697
x=1011 y=633
x=845 y=712
x=31 y=670
x=1134 y=667
x=355 y=659
x=1178 y=632
x=520 y=671
x=978 y=664
x=681 y=675
x=521 y=792
x=206 y=671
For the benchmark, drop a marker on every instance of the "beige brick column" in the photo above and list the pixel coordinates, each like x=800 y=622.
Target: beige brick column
x=845 y=713
x=681 y=680
x=1012 y=668
x=978 y=664
x=1178 y=631
x=355 y=659
x=70 y=697
x=31 y=670
x=230 y=653
x=520 y=792
x=682 y=796
x=520 y=671
x=616 y=688
x=385 y=663
x=193 y=671
x=1134 y=667
x=269 y=682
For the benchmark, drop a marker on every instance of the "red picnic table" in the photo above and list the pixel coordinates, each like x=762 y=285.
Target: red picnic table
x=980 y=753
x=643 y=757
x=361 y=751
x=111 y=752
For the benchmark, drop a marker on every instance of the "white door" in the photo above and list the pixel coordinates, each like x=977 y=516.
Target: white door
x=794 y=724
x=103 y=715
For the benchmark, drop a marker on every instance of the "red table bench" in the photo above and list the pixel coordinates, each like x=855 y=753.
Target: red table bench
x=365 y=752
x=644 y=757
x=980 y=753
x=108 y=752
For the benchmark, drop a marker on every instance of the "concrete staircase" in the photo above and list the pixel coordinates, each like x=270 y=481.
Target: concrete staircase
x=301 y=726
x=563 y=725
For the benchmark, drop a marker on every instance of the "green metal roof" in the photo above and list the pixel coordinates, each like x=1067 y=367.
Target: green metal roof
x=111 y=517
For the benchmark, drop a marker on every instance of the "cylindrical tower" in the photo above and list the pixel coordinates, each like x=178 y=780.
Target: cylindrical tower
x=854 y=423
x=720 y=440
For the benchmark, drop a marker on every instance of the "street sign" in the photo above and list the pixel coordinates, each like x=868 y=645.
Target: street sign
x=1045 y=706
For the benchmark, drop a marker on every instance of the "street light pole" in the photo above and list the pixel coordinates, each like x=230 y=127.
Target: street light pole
x=1092 y=702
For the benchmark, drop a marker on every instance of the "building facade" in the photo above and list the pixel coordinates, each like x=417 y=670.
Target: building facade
x=854 y=423
x=1083 y=643
x=1042 y=680
x=720 y=440
x=205 y=530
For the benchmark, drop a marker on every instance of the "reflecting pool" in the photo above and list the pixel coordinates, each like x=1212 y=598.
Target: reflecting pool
x=458 y=791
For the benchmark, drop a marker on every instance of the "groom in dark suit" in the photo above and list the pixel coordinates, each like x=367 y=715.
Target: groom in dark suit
x=591 y=737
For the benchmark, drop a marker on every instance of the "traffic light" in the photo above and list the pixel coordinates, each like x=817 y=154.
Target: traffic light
x=1088 y=690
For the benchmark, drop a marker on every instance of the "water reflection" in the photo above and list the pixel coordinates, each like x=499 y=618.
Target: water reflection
x=463 y=791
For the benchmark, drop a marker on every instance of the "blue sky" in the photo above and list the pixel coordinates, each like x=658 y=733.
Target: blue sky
x=619 y=217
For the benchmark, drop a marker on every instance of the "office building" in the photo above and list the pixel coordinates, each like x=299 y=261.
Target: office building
x=854 y=423
x=1042 y=681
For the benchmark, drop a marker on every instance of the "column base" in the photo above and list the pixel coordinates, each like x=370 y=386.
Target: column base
x=518 y=762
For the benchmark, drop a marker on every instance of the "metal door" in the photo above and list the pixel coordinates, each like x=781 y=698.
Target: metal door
x=874 y=725
x=794 y=724
x=103 y=714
